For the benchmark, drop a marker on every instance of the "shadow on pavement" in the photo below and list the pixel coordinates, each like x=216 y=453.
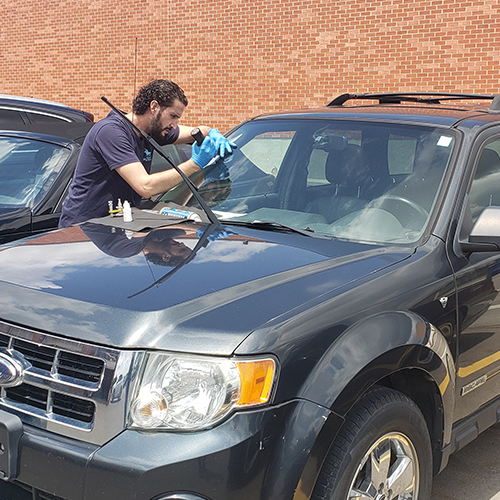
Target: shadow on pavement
x=473 y=472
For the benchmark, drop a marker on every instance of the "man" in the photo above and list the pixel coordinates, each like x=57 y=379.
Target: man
x=159 y=246
x=115 y=161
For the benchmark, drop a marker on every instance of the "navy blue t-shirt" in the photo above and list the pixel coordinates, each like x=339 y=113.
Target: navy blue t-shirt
x=111 y=143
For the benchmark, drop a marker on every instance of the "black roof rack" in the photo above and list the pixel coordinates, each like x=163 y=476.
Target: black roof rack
x=422 y=97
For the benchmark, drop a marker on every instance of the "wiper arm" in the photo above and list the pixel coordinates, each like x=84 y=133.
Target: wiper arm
x=203 y=204
x=273 y=226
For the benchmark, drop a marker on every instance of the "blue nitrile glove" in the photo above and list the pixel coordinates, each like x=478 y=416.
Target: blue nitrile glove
x=202 y=155
x=214 y=235
x=222 y=144
x=215 y=172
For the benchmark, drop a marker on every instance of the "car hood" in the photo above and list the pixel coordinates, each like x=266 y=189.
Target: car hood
x=183 y=288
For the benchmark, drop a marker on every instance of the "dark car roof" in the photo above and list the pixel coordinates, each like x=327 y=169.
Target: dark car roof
x=75 y=131
x=42 y=106
x=423 y=111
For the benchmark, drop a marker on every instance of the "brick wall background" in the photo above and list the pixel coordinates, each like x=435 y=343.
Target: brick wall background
x=238 y=58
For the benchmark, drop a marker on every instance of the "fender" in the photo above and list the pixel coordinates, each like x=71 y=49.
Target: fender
x=376 y=347
x=364 y=354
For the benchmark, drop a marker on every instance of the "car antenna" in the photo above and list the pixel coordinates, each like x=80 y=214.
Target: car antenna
x=208 y=211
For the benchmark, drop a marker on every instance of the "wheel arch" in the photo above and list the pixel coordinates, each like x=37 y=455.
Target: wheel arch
x=399 y=350
x=417 y=385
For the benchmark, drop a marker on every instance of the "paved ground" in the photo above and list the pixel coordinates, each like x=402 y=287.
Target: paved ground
x=473 y=473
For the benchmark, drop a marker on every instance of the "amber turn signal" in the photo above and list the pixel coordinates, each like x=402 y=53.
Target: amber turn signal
x=256 y=381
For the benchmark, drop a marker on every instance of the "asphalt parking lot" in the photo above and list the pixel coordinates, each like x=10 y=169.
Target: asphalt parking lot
x=473 y=473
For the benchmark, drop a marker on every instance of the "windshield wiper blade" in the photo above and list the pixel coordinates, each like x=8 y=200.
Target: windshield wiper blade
x=211 y=216
x=273 y=226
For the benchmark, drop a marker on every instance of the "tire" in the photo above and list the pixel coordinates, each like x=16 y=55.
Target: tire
x=382 y=452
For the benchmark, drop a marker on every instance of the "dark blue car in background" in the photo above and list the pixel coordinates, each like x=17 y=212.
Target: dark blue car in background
x=39 y=146
x=16 y=111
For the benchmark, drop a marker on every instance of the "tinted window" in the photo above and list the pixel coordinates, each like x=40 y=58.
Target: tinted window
x=10 y=117
x=28 y=168
x=177 y=154
x=41 y=118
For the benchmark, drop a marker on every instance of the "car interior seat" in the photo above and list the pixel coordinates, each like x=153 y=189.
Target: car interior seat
x=353 y=184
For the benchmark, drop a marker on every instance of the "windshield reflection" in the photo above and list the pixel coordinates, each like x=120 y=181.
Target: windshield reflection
x=159 y=246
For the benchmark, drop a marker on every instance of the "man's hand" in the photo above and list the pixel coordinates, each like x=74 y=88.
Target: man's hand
x=202 y=155
x=222 y=144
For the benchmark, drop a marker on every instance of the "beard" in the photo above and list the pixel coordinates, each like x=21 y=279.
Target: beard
x=157 y=131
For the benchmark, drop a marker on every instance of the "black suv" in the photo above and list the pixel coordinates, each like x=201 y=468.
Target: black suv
x=17 y=111
x=323 y=325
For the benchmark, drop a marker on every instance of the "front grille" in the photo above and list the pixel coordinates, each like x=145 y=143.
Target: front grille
x=80 y=367
x=60 y=404
x=68 y=364
x=55 y=362
x=77 y=409
x=39 y=356
x=68 y=387
x=4 y=340
x=28 y=395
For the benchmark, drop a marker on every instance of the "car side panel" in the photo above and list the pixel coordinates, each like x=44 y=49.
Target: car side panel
x=15 y=224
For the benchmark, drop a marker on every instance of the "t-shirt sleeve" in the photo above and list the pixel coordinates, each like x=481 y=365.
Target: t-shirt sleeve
x=115 y=243
x=114 y=144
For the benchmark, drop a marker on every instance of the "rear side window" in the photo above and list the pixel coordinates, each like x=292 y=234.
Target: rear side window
x=41 y=118
x=267 y=150
x=10 y=117
x=401 y=155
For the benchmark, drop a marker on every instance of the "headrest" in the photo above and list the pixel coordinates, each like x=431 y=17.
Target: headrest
x=344 y=166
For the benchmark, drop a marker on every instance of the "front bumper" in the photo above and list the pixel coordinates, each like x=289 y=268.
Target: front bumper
x=271 y=453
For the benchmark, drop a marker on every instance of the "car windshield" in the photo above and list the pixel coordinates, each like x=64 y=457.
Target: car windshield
x=28 y=168
x=357 y=180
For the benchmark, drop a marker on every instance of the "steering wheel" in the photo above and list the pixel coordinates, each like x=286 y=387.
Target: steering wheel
x=409 y=213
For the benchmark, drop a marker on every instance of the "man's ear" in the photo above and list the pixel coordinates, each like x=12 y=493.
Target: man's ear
x=154 y=106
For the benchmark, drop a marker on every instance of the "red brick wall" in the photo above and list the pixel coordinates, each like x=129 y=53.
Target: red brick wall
x=238 y=58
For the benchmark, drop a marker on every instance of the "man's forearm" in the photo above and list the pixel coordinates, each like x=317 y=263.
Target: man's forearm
x=147 y=185
x=160 y=182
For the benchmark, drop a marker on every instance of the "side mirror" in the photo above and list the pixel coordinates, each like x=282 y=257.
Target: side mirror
x=485 y=235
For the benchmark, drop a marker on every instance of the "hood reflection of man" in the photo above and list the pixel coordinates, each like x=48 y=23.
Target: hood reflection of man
x=159 y=246
x=166 y=251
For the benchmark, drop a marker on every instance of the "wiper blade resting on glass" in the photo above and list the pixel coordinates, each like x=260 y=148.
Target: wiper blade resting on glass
x=211 y=216
x=273 y=226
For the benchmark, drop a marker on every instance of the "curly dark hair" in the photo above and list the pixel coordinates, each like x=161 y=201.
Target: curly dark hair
x=163 y=91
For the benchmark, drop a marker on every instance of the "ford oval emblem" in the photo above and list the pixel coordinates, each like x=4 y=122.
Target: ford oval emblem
x=11 y=371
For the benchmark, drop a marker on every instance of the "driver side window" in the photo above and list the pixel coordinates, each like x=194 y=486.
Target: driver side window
x=485 y=188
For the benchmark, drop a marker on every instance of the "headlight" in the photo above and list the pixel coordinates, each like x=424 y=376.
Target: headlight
x=180 y=392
